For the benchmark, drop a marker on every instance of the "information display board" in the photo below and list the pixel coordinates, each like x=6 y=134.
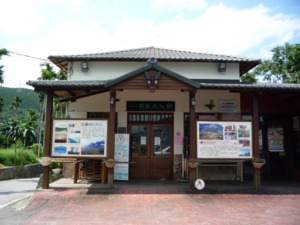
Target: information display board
x=224 y=140
x=275 y=139
x=121 y=170
x=122 y=147
x=79 y=138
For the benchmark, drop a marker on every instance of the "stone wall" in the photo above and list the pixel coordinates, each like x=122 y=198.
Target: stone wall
x=15 y=172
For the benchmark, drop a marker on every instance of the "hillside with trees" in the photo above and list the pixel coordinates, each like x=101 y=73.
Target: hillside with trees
x=29 y=101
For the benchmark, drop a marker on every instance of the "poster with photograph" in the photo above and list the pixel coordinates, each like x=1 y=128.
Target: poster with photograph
x=122 y=147
x=217 y=140
x=275 y=139
x=79 y=138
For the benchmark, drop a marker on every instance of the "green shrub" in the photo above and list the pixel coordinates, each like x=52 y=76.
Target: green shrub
x=35 y=149
x=54 y=165
x=24 y=157
x=1 y=165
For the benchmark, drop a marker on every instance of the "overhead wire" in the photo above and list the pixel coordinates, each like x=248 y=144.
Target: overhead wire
x=21 y=55
x=28 y=56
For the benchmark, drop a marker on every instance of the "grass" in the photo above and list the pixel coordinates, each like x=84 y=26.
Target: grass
x=24 y=157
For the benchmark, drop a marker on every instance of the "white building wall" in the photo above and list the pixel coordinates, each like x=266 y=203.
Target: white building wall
x=203 y=97
x=192 y=70
x=100 y=102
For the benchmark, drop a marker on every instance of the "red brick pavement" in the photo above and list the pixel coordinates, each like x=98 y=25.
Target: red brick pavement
x=80 y=207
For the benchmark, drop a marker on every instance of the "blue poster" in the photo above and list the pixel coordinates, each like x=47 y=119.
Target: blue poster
x=121 y=171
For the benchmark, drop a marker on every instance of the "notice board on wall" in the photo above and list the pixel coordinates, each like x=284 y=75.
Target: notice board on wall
x=79 y=138
x=275 y=139
x=224 y=140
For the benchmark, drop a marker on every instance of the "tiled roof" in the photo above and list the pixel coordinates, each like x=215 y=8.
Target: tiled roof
x=161 y=54
x=100 y=84
x=252 y=86
x=67 y=83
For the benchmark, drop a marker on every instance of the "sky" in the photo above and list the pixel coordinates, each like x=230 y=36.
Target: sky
x=40 y=28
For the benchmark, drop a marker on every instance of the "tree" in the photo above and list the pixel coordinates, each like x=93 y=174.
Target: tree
x=3 y=51
x=47 y=73
x=1 y=105
x=28 y=130
x=16 y=103
x=14 y=131
x=284 y=65
x=249 y=78
x=31 y=116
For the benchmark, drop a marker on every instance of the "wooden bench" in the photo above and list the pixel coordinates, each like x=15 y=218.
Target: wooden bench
x=76 y=170
x=233 y=163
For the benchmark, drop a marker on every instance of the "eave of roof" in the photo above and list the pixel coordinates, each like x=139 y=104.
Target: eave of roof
x=143 y=54
x=252 y=86
x=44 y=85
x=101 y=85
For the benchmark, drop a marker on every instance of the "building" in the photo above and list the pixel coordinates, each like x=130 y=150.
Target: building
x=158 y=95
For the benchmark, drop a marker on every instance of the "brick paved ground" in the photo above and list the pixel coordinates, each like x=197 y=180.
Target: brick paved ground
x=68 y=206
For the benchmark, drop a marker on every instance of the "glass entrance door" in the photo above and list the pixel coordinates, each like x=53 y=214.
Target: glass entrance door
x=151 y=151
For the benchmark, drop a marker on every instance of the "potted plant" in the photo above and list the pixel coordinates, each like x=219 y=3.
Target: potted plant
x=110 y=163
x=258 y=162
x=45 y=161
x=56 y=167
x=193 y=163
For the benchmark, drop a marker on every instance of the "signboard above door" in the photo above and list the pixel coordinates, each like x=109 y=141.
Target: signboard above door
x=150 y=106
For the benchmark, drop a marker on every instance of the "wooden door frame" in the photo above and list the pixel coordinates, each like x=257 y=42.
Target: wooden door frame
x=133 y=158
x=150 y=157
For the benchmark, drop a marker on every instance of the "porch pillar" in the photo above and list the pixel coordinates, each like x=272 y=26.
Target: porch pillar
x=255 y=116
x=193 y=152
x=111 y=136
x=47 y=147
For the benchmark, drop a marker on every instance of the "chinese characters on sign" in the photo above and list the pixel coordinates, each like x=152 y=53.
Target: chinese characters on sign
x=150 y=106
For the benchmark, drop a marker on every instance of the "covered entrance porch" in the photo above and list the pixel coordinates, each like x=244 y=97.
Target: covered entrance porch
x=152 y=145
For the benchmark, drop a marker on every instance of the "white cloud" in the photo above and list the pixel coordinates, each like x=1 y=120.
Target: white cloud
x=18 y=17
x=21 y=17
x=219 y=29
x=179 y=5
x=233 y=31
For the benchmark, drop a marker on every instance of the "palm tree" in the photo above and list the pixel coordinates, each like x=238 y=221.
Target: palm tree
x=3 y=51
x=16 y=103
x=47 y=73
x=14 y=131
x=28 y=133
x=30 y=128
x=31 y=115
